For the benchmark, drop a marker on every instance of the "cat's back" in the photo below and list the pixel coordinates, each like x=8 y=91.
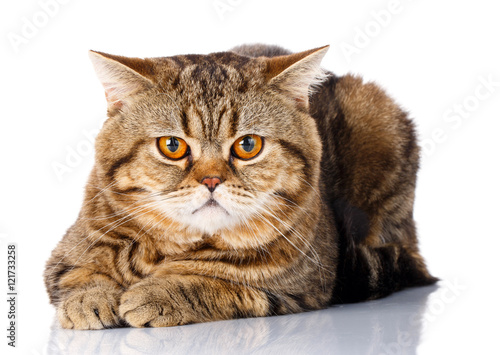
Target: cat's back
x=370 y=157
x=370 y=153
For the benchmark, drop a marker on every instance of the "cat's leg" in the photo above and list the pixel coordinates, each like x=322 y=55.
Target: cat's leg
x=172 y=300
x=86 y=297
x=87 y=300
x=367 y=273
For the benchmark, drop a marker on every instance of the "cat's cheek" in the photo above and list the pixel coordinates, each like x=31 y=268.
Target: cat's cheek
x=180 y=207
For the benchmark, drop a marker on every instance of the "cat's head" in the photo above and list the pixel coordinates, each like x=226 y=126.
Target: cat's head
x=210 y=143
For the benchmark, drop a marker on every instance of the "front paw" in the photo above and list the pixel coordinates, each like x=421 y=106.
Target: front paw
x=154 y=303
x=92 y=308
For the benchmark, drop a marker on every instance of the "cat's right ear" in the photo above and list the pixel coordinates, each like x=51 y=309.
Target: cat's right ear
x=121 y=77
x=297 y=74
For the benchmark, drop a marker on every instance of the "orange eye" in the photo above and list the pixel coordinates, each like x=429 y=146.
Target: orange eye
x=247 y=147
x=172 y=147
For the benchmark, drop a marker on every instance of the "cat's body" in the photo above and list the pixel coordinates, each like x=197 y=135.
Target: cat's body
x=282 y=201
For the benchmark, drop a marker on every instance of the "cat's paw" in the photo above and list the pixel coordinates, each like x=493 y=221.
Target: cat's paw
x=94 y=308
x=154 y=304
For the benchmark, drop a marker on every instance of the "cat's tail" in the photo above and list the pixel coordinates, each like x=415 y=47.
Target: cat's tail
x=367 y=272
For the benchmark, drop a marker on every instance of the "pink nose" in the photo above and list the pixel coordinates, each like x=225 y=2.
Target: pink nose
x=211 y=182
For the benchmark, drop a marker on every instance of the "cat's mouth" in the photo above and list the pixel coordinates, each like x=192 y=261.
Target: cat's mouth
x=211 y=205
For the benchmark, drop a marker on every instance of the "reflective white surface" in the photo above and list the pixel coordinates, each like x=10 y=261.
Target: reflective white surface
x=392 y=325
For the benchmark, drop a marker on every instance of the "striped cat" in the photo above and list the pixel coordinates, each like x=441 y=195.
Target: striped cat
x=238 y=184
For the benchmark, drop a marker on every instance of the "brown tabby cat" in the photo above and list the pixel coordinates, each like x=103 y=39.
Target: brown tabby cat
x=225 y=187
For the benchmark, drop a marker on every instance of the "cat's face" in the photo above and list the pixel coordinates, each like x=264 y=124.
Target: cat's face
x=209 y=143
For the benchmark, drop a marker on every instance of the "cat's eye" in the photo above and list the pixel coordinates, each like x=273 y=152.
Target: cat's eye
x=247 y=147
x=172 y=147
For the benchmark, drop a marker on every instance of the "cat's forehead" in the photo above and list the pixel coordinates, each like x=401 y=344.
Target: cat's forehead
x=213 y=115
x=213 y=73
x=221 y=58
x=210 y=94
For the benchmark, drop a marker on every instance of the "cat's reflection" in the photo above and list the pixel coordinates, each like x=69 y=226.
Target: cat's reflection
x=388 y=326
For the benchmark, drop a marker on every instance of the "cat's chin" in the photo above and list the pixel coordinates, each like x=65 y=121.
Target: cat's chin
x=211 y=207
x=210 y=218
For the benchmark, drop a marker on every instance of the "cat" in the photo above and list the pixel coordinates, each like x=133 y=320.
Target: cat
x=244 y=183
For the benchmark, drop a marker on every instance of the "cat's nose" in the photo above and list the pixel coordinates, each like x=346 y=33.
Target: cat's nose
x=211 y=182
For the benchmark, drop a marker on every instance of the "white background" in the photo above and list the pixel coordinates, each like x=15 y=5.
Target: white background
x=433 y=57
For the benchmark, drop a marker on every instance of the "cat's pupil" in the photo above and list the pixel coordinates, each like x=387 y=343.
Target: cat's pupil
x=173 y=144
x=247 y=143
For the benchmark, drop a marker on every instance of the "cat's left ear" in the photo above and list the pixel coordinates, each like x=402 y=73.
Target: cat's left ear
x=296 y=74
x=121 y=77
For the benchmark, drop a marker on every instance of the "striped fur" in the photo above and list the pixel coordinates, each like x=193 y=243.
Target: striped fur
x=322 y=215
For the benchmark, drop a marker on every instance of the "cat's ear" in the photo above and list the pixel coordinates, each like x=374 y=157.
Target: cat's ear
x=296 y=74
x=122 y=77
